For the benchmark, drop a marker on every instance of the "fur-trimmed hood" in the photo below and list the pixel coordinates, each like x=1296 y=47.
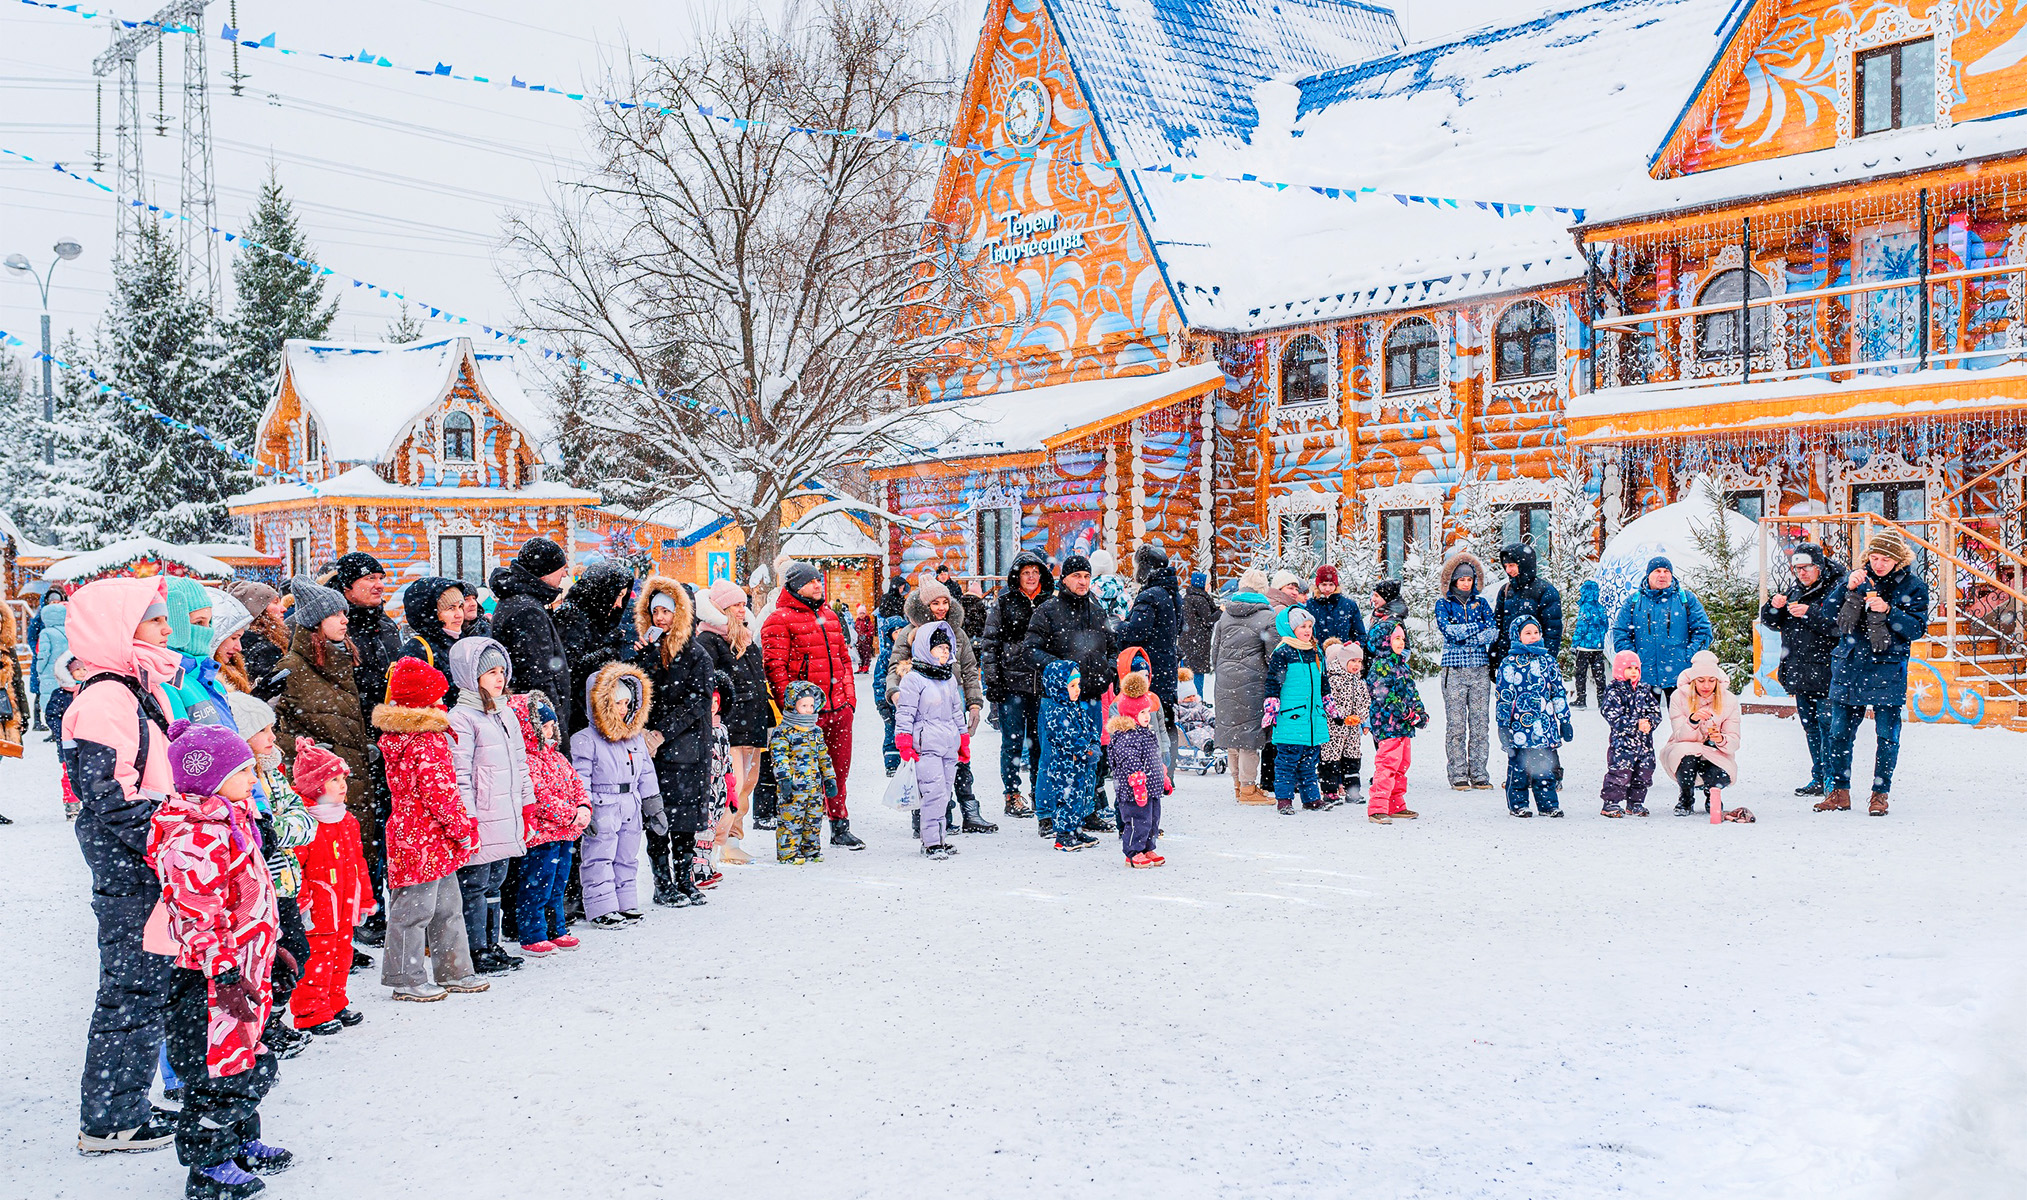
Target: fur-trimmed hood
x=400 y=718
x=618 y=698
x=1463 y=558
x=686 y=613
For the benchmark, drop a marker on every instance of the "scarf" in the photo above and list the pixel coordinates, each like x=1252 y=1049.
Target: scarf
x=328 y=812
x=796 y=720
x=931 y=670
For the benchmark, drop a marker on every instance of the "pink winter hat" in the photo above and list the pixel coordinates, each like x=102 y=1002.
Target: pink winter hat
x=203 y=757
x=725 y=595
x=1622 y=660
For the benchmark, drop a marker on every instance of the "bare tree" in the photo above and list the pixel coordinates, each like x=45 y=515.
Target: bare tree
x=771 y=292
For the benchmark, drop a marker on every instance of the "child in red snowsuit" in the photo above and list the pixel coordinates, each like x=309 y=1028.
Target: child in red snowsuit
x=336 y=892
x=218 y=918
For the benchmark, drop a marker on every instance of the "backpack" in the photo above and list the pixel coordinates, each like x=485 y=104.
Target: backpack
x=146 y=711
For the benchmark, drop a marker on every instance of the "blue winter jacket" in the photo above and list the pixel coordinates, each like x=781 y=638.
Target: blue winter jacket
x=1467 y=629
x=1337 y=616
x=50 y=649
x=1296 y=677
x=1533 y=707
x=1860 y=675
x=1588 y=631
x=886 y=627
x=1665 y=628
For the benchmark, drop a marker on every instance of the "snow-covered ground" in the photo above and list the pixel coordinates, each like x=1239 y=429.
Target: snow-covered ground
x=1815 y=1005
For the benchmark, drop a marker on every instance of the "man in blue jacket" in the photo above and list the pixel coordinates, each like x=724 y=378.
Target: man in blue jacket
x=1662 y=623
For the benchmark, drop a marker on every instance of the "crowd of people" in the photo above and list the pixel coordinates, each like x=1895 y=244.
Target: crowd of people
x=266 y=786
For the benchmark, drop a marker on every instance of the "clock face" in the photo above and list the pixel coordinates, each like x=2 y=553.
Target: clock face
x=1026 y=112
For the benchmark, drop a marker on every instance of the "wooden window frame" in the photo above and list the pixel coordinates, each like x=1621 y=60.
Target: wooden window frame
x=1894 y=56
x=471 y=434
x=1389 y=352
x=1315 y=370
x=1503 y=333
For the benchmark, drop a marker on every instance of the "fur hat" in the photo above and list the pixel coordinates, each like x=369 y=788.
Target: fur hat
x=1622 y=660
x=250 y=714
x=317 y=766
x=539 y=556
x=413 y=683
x=203 y=757
x=314 y=603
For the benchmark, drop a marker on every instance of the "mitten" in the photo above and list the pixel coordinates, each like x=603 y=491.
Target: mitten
x=282 y=956
x=905 y=744
x=1569 y=732
x=1139 y=781
x=830 y=789
x=1330 y=708
x=1270 y=712
x=235 y=995
x=964 y=748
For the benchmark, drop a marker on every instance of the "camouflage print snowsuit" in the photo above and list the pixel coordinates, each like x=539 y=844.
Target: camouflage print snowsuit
x=1069 y=749
x=1629 y=763
x=803 y=773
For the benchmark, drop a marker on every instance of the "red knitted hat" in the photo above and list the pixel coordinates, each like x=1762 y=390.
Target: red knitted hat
x=315 y=767
x=413 y=683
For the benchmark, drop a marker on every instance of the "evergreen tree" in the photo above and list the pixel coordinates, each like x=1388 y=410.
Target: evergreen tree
x=1730 y=595
x=277 y=299
x=160 y=346
x=404 y=328
x=58 y=504
x=21 y=449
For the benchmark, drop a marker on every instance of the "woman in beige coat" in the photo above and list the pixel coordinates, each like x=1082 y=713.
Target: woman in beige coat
x=1703 y=734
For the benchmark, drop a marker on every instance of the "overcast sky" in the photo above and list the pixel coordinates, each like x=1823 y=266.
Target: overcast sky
x=398 y=179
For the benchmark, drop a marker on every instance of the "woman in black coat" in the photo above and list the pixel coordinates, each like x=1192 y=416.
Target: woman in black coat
x=745 y=708
x=679 y=734
x=434 y=609
x=591 y=623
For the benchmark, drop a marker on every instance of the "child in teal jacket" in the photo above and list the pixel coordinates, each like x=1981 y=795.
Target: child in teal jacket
x=1296 y=686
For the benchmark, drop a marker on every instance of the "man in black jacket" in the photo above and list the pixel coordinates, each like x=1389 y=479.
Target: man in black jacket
x=525 y=588
x=1071 y=624
x=1527 y=594
x=1808 y=629
x=1012 y=682
x=361 y=579
x=592 y=627
x=1200 y=613
x=1155 y=625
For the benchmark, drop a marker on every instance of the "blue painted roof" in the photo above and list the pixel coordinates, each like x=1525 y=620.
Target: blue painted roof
x=1165 y=72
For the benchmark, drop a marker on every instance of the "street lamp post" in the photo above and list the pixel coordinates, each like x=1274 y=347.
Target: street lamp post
x=18 y=264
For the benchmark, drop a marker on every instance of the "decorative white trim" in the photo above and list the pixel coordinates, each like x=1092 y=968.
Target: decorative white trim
x=1307 y=408
x=1303 y=502
x=1111 y=540
x=1520 y=490
x=1386 y=398
x=1885 y=466
x=1612 y=494
x=2016 y=287
x=1136 y=495
x=1207 y=424
x=1397 y=497
x=1734 y=477
x=1730 y=258
x=1891 y=24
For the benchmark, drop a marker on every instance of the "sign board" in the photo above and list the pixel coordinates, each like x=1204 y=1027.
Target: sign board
x=718 y=567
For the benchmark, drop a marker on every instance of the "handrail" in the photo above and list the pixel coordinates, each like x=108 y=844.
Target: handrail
x=2008 y=461
x=1770 y=301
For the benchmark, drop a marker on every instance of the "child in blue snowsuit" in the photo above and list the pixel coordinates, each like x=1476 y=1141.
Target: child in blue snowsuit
x=930 y=729
x=1069 y=755
x=1587 y=638
x=1533 y=712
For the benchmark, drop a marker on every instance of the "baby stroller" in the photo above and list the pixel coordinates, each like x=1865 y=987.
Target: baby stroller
x=1199 y=751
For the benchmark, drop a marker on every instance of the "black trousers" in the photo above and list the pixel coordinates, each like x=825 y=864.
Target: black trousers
x=766 y=797
x=126 y=1023
x=1336 y=776
x=220 y=1113
x=1590 y=666
x=296 y=940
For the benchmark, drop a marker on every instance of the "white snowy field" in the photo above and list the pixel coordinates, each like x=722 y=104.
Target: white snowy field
x=1467 y=1005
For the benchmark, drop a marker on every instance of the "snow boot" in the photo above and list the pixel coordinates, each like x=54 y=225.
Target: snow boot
x=1285 y=807
x=361 y=961
x=1812 y=788
x=1017 y=807
x=226 y=1181
x=1611 y=809
x=281 y=1040
x=974 y=821
x=373 y=932
x=1404 y=814
x=1636 y=808
x=1379 y=818
x=1877 y=808
x=1099 y=822
x=1686 y=806
x=349 y=1017
x=1315 y=805
x=1046 y=826
x=153 y=1134
x=841 y=835
x=1839 y=800
x=686 y=884
x=262 y=1159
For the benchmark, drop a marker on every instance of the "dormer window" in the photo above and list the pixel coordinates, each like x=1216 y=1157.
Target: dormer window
x=1897 y=87
x=310 y=447
x=458 y=436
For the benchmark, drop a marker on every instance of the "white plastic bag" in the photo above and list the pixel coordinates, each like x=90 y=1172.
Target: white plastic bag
x=901 y=788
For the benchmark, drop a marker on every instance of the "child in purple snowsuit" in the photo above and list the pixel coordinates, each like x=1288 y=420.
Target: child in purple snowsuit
x=1627 y=704
x=930 y=729
x=612 y=758
x=1137 y=769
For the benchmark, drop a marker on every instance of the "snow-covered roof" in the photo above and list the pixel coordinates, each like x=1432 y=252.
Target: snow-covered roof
x=25 y=546
x=366 y=395
x=230 y=550
x=1879 y=154
x=1022 y=421
x=119 y=554
x=1616 y=414
x=832 y=535
x=1555 y=111
x=363 y=483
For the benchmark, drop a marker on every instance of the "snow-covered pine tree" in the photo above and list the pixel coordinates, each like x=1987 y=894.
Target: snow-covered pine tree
x=1573 y=529
x=1355 y=554
x=63 y=507
x=21 y=449
x=276 y=299
x=1729 y=595
x=159 y=344
x=404 y=328
x=1480 y=526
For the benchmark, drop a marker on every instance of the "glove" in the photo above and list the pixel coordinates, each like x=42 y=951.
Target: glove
x=282 y=955
x=904 y=743
x=1569 y=733
x=1139 y=781
x=830 y=789
x=235 y=995
x=964 y=748
x=1422 y=721
x=1270 y=712
x=1330 y=707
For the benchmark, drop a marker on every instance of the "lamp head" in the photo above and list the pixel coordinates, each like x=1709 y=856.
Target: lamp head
x=17 y=264
x=68 y=249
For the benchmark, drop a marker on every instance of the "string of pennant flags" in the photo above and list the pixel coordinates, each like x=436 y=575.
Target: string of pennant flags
x=104 y=388
x=435 y=312
x=1175 y=173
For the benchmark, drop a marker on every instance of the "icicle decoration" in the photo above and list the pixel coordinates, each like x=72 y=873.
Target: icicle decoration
x=1111 y=539
x=1136 y=441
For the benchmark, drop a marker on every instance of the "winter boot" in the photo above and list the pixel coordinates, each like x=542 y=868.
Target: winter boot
x=1017 y=807
x=915 y=824
x=1046 y=826
x=1099 y=822
x=666 y=893
x=1812 y=788
x=1636 y=808
x=687 y=891
x=1878 y=806
x=841 y=835
x=974 y=821
x=1285 y=807
x=156 y=1132
x=1839 y=800
x=1611 y=809
x=1686 y=805
x=372 y=932
x=262 y=1159
x=281 y=1040
x=226 y=1181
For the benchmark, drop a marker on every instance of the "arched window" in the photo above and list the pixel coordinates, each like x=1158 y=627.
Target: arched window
x=457 y=437
x=1717 y=333
x=1524 y=342
x=310 y=446
x=1305 y=371
x=1412 y=356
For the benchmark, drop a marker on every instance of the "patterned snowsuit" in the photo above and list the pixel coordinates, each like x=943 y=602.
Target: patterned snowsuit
x=1345 y=750
x=1396 y=712
x=1069 y=750
x=803 y=776
x=1533 y=714
x=1137 y=772
x=1629 y=761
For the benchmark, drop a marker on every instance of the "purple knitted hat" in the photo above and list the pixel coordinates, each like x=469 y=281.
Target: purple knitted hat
x=203 y=757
